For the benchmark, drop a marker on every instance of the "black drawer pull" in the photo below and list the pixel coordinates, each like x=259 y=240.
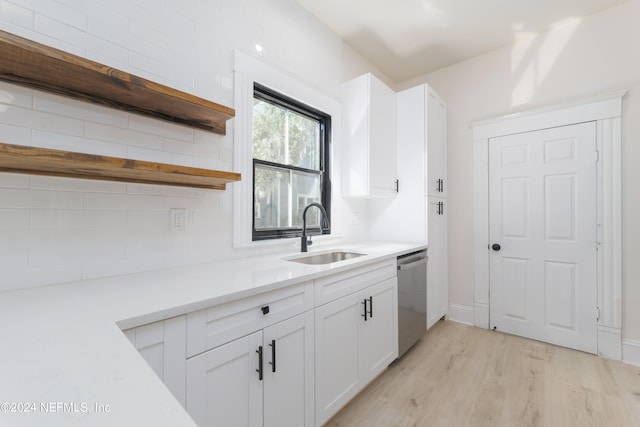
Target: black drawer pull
x=265 y=309
x=371 y=307
x=365 y=309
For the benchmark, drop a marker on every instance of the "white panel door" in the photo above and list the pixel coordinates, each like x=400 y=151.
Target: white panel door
x=542 y=206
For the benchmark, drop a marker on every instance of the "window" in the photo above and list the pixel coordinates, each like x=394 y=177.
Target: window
x=290 y=165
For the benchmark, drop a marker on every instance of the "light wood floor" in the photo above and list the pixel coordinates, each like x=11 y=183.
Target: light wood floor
x=459 y=375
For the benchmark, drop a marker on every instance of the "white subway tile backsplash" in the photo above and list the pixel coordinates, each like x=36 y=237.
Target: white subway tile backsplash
x=120 y=265
x=148 y=219
x=78 y=219
x=65 y=229
x=14 y=180
x=78 y=144
x=160 y=128
x=204 y=203
x=15 y=135
x=122 y=201
x=27 y=118
x=138 y=153
x=13 y=94
x=76 y=37
x=144 y=189
x=55 y=10
x=83 y=110
x=110 y=25
x=12 y=257
x=15 y=14
x=122 y=136
x=18 y=198
x=14 y=219
x=75 y=184
x=31 y=277
x=191 y=149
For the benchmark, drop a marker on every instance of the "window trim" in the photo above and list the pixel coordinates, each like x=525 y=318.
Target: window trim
x=247 y=69
x=267 y=94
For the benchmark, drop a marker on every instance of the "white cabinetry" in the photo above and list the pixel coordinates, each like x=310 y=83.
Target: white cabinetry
x=436 y=143
x=419 y=212
x=251 y=361
x=368 y=138
x=437 y=268
x=262 y=379
x=356 y=339
x=162 y=345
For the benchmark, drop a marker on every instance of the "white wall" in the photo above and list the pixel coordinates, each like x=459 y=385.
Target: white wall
x=56 y=230
x=572 y=61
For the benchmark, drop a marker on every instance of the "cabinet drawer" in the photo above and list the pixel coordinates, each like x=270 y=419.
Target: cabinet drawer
x=330 y=288
x=211 y=327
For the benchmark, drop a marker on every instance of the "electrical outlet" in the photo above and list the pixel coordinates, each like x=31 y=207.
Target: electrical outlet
x=178 y=219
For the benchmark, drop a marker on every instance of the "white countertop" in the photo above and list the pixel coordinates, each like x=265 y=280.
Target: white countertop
x=64 y=360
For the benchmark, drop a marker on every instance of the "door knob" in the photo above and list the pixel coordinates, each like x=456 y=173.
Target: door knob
x=495 y=247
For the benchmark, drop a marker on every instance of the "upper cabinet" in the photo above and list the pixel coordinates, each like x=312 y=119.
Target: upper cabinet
x=436 y=129
x=369 y=138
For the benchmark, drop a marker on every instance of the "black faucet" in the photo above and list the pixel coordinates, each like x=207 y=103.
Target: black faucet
x=324 y=225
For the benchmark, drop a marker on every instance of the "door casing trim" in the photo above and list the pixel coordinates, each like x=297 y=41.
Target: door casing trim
x=606 y=111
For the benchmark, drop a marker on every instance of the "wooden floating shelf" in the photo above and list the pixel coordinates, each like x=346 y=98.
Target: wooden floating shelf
x=35 y=65
x=42 y=161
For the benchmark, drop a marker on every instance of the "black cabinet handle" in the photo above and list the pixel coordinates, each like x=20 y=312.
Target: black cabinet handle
x=273 y=355
x=496 y=247
x=370 y=307
x=265 y=309
x=259 y=370
x=365 y=309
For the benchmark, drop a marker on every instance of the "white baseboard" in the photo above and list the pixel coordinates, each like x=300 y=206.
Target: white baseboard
x=631 y=352
x=481 y=314
x=609 y=342
x=461 y=314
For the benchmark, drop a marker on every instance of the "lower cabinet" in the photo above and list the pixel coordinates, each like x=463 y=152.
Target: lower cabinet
x=437 y=269
x=356 y=338
x=262 y=379
x=162 y=346
x=283 y=358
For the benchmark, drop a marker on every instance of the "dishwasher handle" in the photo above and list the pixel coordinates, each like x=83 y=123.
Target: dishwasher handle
x=413 y=264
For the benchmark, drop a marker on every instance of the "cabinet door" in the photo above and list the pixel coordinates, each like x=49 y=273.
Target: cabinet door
x=369 y=138
x=436 y=122
x=337 y=359
x=379 y=333
x=162 y=345
x=289 y=375
x=223 y=388
x=437 y=268
x=382 y=139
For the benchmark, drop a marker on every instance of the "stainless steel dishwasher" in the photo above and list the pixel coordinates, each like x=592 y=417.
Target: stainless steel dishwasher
x=412 y=299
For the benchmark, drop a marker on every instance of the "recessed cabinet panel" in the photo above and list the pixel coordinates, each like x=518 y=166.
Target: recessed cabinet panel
x=223 y=387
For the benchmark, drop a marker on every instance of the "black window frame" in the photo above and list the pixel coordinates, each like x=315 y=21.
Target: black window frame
x=269 y=95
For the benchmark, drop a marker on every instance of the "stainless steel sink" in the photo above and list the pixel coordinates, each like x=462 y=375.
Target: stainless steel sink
x=326 y=258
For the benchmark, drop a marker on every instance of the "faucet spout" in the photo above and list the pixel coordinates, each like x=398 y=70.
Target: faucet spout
x=324 y=224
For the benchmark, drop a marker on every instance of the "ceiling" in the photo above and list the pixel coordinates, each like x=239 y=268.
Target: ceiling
x=408 y=38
